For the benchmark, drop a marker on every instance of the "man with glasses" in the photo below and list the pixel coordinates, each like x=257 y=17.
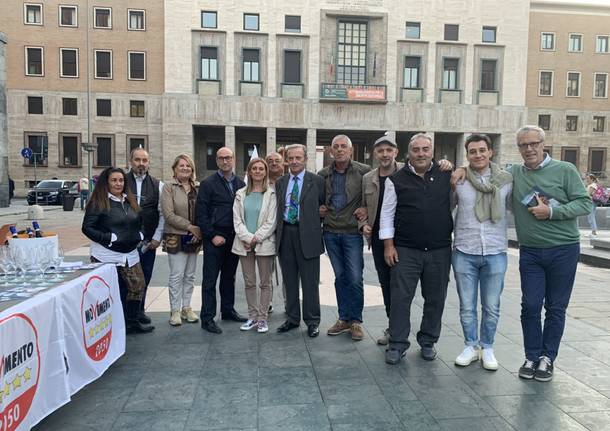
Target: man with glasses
x=548 y=196
x=214 y=214
x=275 y=161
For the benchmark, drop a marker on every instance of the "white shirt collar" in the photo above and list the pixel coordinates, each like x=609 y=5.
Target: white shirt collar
x=114 y=198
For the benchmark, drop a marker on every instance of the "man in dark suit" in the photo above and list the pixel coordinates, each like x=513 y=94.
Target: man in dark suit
x=299 y=237
x=214 y=213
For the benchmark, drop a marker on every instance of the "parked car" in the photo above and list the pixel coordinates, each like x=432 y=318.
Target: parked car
x=52 y=192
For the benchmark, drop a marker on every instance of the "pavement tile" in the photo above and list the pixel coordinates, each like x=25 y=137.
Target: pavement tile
x=369 y=409
x=295 y=385
x=163 y=389
x=187 y=357
x=414 y=416
x=173 y=420
x=594 y=421
x=224 y=406
x=304 y=417
x=475 y=424
x=276 y=356
x=487 y=383
x=230 y=368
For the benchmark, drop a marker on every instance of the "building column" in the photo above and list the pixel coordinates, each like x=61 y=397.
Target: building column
x=311 y=150
x=460 y=151
x=230 y=137
x=270 y=144
x=3 y=126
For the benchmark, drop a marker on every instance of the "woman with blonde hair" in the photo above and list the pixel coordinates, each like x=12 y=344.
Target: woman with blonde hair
x=181 y=238
x=254 y=219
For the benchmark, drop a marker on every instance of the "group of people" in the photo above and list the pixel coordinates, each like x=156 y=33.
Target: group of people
x=402 y=211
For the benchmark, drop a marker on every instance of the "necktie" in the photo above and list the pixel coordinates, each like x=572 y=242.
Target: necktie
x=293 y=210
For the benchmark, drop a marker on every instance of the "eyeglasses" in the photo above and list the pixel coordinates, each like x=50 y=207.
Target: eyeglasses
x=224 y=159
x=533 y=145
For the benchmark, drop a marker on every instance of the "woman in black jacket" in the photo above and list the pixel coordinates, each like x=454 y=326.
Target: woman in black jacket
x=112 y=222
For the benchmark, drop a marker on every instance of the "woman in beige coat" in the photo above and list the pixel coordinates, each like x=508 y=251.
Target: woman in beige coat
x=254 y=218
x=181 y=238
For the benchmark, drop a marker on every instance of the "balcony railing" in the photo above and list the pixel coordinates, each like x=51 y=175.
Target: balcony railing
x=368 y=93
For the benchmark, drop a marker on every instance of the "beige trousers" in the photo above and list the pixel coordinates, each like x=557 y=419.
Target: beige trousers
x=257 y=307
x=182 y=268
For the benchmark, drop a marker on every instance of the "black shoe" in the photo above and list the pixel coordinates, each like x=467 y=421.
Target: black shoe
x=313 y=330
x=136 y=327
x=393 y=356
x=211 y=326
x=234 y=316
x=428 y=353
x=544 y=372
x=143 y=318
x=528 y=369
x=270 y=310
x=287 y=326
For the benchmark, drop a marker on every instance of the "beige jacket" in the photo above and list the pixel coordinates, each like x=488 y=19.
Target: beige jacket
x=370 y=194
x=265 y=232
x=174 y=205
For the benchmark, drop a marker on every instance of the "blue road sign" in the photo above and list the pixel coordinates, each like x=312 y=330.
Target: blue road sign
x=26 y=153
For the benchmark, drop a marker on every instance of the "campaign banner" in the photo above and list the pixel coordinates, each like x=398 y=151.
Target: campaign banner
x=93 y=325
x=32 y=368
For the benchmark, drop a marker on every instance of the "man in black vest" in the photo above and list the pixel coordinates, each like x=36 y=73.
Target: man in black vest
x=147 y=190
x=415 y=225
x=214 y=213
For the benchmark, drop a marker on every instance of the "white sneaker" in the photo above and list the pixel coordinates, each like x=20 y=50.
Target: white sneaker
x=489 y=360
x=248 y=325
x=467 y=357
x=175 y=319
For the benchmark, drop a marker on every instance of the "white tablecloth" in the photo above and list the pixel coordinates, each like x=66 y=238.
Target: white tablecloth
x=55 y=343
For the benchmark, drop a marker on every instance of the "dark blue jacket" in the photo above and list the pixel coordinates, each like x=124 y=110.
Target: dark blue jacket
x=214 y=212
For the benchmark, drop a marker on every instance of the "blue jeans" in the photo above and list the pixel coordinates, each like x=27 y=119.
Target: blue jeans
x=84 y=195
x=547 y=278
x=591 y=218
x=345 y=253
x=472 y=271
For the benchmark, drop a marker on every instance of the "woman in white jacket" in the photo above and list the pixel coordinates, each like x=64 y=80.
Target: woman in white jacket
x=254 y=218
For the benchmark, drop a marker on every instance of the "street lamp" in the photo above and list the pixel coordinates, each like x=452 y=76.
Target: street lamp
x=89 y=147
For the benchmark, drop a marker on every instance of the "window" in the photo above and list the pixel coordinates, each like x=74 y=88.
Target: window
x=488 y=75
x=601 y=44
x=39 y=145
x=601 y=85
x=411 y=72
x=69 y=106
x=137 y=66
x=547 y=41
x=136 y=19
x=103 y=64
x=69 y=62
x=575 y=42
x=34 y=105
x=68 y=16
x=292 y=24
x=573 y=87
x=34 y=61
x=544 y=121
x=545 y=86
x=136 y=108
x=209 y=19
x=351 y=61
x=450 y=73
x=570 y=154
x=489 y=34
x=251 y=21
x=452 y=31
x=136 y=141
x=102 y=17
x=413 y=30
x=292 y=67
x=69 y=150
x=571 y=123
x=209 y=63
x=212 y=148
x=597 y=160
x=104 y=107
x=104 y=154
x=32 y=14
x=599 y=124
x=251 y=65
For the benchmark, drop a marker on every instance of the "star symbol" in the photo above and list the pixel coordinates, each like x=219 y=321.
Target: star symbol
x=1 y=395
x=27 y=374
x=97 y=329
x=17 y=382
x=7 y=389
x=91 y=332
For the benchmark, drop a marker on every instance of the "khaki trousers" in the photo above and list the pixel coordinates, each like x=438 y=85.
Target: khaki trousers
x=257 y=307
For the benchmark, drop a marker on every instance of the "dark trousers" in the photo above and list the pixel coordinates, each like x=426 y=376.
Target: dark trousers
x=383 y=272
x=294 y=268
x=218 y=260
x=432 y=269
x=547 y=278
x=147 y=260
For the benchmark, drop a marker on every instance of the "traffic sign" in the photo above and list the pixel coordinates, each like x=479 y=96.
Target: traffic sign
x=26 y=153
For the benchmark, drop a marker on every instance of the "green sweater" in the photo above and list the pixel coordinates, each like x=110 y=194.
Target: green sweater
x=557 y=180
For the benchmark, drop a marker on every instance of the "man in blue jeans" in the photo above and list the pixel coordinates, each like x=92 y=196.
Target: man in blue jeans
x=479 y=249
x=343 y=241
x=548 y=196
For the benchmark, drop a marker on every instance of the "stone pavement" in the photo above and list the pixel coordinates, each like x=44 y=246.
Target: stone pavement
x=186 y=379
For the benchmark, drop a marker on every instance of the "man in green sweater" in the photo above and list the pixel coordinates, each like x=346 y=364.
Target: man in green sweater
x=548 y=196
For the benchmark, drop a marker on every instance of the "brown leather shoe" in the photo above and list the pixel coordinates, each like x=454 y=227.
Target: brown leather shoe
x=356 y=331
x=339 y=328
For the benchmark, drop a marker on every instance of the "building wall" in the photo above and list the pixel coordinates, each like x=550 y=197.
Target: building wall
x=3 y=125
